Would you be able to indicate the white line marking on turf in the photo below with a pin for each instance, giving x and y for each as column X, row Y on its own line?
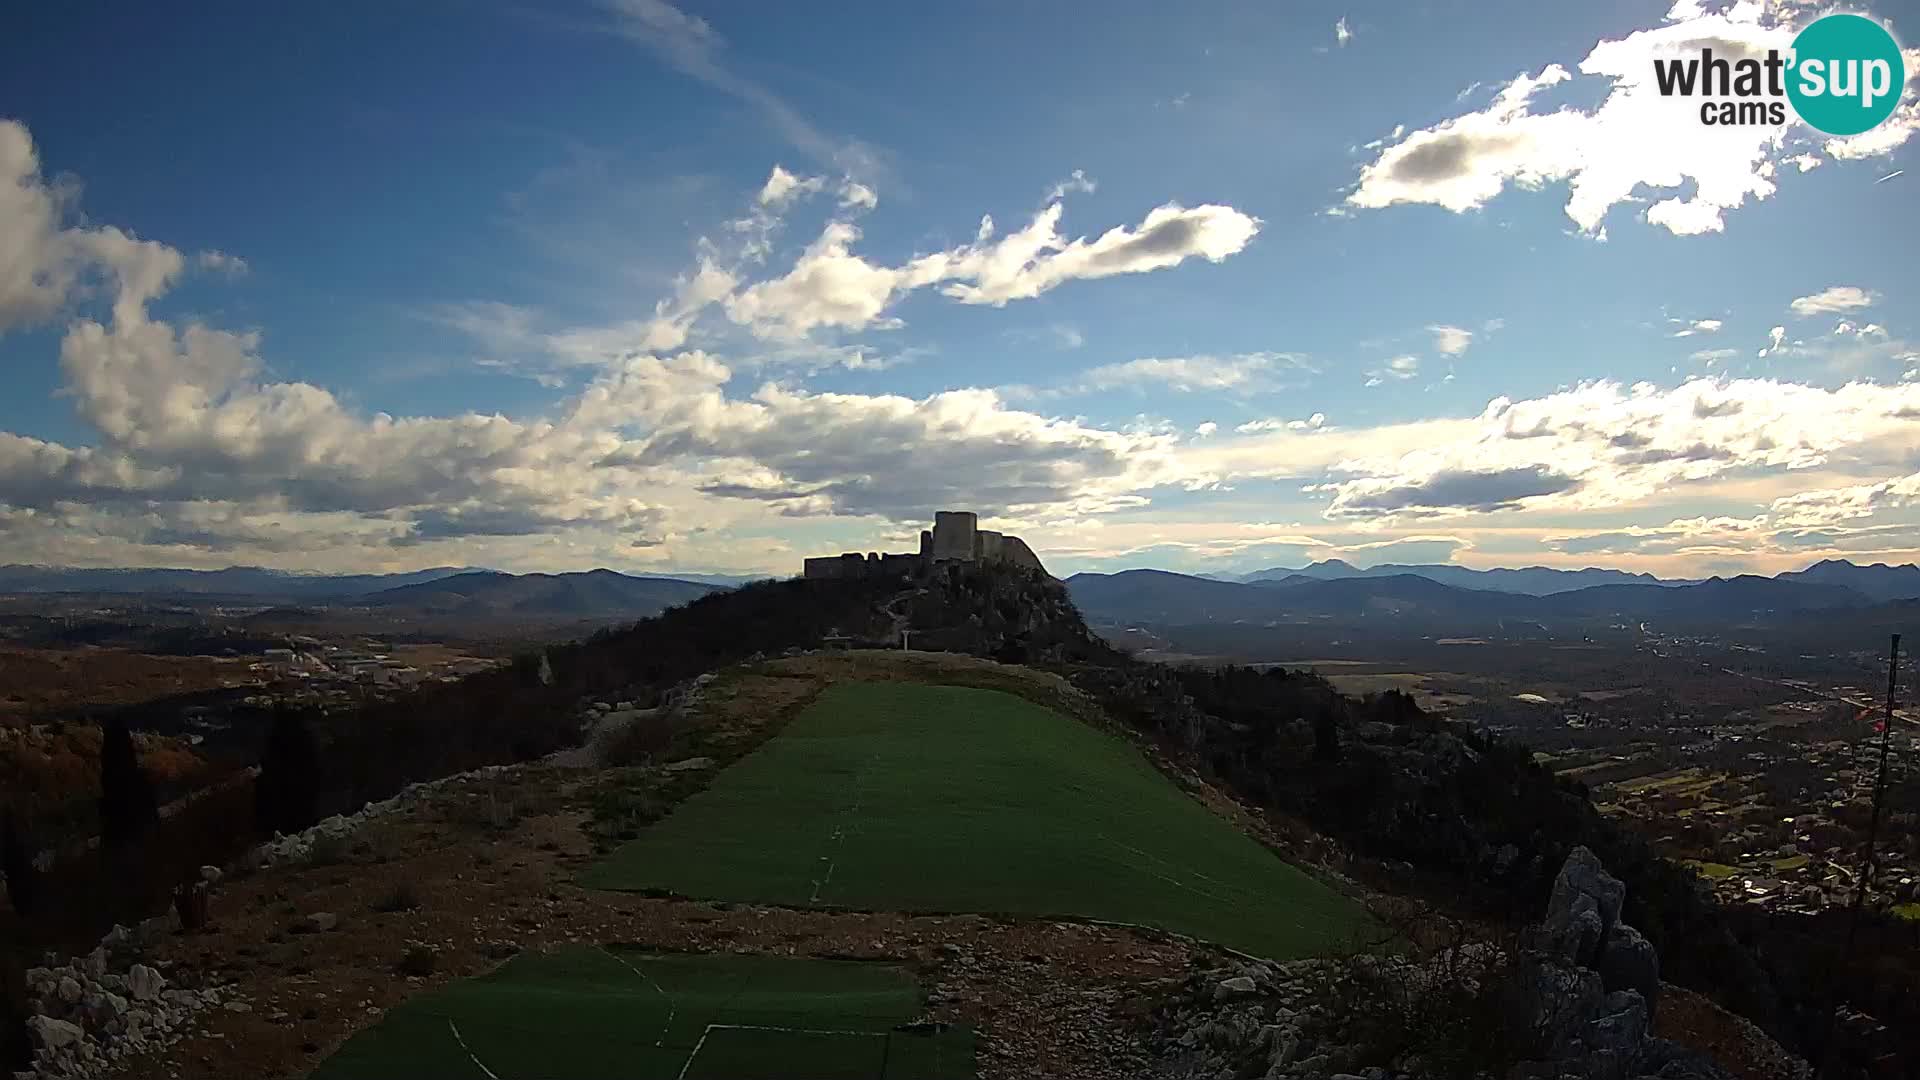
column 672, row 1006
column 711, row 1028
column 477, row 1063
column 696, row 1052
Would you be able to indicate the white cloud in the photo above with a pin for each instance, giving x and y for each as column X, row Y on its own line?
column 516, row 339
column 1635, row 139
column 1603, row 444
column 1207, row 428
column 1077, row 182
column 782, row 187
column 1893, row 132
column 1775, row 338
column 1244, row 373
column 692, row 46
column 1451, row 340
column 222, row 263
column 1341, row 33
column 1311, row 423
column 831, row 286
column 1399, row 367
column 1711, row 357
column 857, row 196
column 1690, row 327
column 1833, row 300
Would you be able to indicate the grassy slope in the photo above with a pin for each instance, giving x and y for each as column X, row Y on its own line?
column 894, row 796
column 588, row 1013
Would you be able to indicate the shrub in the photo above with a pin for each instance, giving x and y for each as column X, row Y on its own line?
column 330, row 851
column 402, row 897
column 420, row 959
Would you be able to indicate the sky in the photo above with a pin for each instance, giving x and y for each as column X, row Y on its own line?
column 711, row 288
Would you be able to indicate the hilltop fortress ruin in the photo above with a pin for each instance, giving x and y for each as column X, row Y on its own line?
column 956, row 537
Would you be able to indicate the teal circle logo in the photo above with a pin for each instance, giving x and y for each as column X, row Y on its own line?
column 1846, row 74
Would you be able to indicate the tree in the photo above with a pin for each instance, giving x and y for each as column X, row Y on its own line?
column 16, row 1045
column 286, row 796
column 1326, row 735
column 127, row 803
column 16, row 861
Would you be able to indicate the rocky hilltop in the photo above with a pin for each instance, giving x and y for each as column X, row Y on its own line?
column 1525, row 937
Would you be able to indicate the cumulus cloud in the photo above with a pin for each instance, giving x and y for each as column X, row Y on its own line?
column 1341, row 32
column 1691, row 327
column 1311, row 423
column 1450, row 340
column 518, row 338
column 1834, row 299
column 782, row 187
column 885, row 454
column 1776, row 337
column 1604, row 445
column 1633, row 139
column 833, row 287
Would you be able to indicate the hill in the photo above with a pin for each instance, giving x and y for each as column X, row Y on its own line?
column 1878, row 581
column 592, row 594
column 903, row 797
column 1389, row 796
column 233, row 581
column 1154, row 596
column 1530, row 580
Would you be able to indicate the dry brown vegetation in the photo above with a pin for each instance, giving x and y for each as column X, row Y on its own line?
column 41, row 682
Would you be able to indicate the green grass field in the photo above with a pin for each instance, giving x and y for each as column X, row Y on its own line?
column 905, row 797
column 589, row 1013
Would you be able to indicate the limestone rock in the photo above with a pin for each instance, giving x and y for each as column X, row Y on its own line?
column 1237, row 987
column 144, row 983
column 1583, row 885
column 54, row 1034
column 1628, row 962
column 321, row 921
column 69, row 989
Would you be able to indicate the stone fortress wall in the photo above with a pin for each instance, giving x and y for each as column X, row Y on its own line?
column 956, row 537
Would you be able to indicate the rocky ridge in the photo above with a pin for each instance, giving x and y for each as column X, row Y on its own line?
column 1574, row 998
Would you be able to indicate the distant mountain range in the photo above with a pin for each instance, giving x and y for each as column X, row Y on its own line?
column 1323, row 592
column 1531, row 580
column 442, row 588
column 590, row 595
column 233, row 581
column 1877, row 581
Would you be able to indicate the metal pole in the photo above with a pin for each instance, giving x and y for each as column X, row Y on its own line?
column 1869, row 858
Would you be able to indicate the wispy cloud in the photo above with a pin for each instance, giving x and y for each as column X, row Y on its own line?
column 694, row 48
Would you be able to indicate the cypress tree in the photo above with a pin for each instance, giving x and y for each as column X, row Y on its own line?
column 127, row 803
column 16, row 860
column 286, row 796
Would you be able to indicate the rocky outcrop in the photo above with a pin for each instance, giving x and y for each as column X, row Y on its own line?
column 1595, row 982
column 1578, row 1002
column 90, row 1012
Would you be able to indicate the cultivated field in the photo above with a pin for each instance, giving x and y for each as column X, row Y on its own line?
column 589, row 1012
column 905, row 797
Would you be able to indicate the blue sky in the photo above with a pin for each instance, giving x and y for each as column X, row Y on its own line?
column 708, row 288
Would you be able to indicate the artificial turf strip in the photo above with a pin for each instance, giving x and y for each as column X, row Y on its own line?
column 906, row 797
column 586, row 1013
